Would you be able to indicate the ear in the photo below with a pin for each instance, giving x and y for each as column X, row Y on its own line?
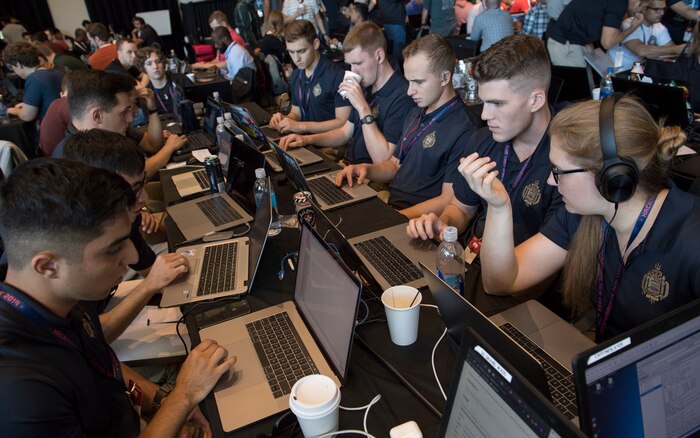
column 445, row 78
column 380, row 55
column 316, row 43
column 538, row 98
column 96, row 115
column 46, row 264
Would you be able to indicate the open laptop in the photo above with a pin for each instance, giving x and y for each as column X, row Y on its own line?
column 326, row 194
column 320, row 320
column 550, row 341
column 490, row 397
column 223, row 268
column 662, row 101
column 644, row 382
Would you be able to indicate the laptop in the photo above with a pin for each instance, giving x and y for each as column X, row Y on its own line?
column 326, row 194
column 223, row 268
column 548, row 341
column 644, row 382
column 662, row 101
column 320, row 319
column 490, row 397
column 599, row 61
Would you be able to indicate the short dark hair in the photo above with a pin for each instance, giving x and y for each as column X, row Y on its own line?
column 106, row 150
column 144, row 53
column 96, row 87
column 139, row 19
column 441, row 56
column 39, row 36
column 221, row 35
column 85, row 23
column 121, row 42
column 299, row 29
column 22, row 53
column 51, row 203
column 519, row 59
column 98, row 30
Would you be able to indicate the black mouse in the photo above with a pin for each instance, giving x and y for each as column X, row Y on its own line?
column 192, row 161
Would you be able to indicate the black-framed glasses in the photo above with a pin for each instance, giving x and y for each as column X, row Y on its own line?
column 556, row 172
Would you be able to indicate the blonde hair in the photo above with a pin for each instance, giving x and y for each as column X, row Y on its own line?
column 638, row 137
column 367, row 36
column 276, row 22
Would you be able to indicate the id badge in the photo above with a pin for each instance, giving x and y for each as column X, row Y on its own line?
column 472, row 250
column 135, row 395
column 688, row 34
column 618, row 59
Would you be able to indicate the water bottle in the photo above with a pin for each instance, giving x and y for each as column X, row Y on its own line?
column 3, row 111
column 606, row 85
column 450, row 262
column 174, row 62
column 219, row 130
column 217, row 99
column 458, row 75
column 472, row 96
column 259, row 188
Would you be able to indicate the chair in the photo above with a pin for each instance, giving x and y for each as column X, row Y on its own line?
column 11, row 156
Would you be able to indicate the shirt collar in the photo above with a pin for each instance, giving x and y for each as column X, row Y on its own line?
column 675, row 210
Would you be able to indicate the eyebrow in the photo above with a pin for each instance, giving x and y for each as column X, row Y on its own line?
column 117, row 241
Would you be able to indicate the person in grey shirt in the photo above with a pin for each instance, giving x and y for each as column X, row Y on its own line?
column 442, row 17
column 554, row 8
column 492, row 25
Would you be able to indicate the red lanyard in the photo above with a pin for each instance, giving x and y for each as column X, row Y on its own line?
column 442, row 112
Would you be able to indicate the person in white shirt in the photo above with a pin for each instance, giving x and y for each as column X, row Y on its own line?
column 305, row 10
column 477, row 9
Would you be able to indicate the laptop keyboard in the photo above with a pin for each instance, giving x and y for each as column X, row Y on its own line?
column 282, row 354
column 197, row 140
column 325, row 189
column 202, row 179
column 218, row 211
column 559, row 379
column 218, row 269
column 395, row 267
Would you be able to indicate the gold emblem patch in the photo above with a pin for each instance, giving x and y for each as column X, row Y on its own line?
column 375, row 111
column 654, row 285
column 532, row 194
column 317, row 90
column 429, row 140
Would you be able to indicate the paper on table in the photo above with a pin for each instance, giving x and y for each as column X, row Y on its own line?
column 201, row 154
column 685, row 150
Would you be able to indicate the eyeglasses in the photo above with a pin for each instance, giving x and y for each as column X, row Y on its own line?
column 556, row 172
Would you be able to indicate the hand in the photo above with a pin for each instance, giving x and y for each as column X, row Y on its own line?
column 16, row 110
column 425, row 227
column 300, row 11
column 165, row 269
column 353, row 93
column 147, row 98
column 477, row 172
column 166, row 134
column 149, row 223
column 196, row 420
column 290, row 125
column 637, row 19
column 275, row 120
column 350, row 172
column 175, row 142
column 293, row 141
column 205, row 364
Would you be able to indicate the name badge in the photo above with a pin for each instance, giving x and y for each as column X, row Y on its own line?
column 472, row 250
column 135, row 395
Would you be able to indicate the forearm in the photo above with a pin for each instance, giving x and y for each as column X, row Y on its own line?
column 454, row 216
column 116, row 320
column 154, row 133
column 378, row 148
column 435, row 205
column 333, row 139
column 648, row 51
column 148, row 388
column 424, row 17
column 499, row 265
column 320, row 127
column 382, row 172
column 171, row 416
column 157, row 161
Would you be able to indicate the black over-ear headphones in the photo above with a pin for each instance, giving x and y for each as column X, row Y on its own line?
column 617, row 180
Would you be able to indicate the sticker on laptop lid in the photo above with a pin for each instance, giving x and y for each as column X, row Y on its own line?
column 614, row 348
column 188, row 253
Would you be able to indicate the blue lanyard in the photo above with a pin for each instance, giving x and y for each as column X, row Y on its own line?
column 442, row 112
column 603, row 316
column 26, row 310
column 521, row 174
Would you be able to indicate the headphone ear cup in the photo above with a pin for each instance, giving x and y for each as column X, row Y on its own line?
column 617, row 180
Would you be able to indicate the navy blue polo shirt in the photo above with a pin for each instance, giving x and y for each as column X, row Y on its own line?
column 427, row 150
column 317, row 96
column 661, row 273
column 533, row 200
column 390, row 106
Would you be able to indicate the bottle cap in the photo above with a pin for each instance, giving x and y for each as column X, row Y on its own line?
column 450, row 234
column 611, row 70
column 219, row 120
column 227, row 116
column 215, row 94
column 260, row 173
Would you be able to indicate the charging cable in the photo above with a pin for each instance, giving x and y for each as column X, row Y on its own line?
column 364, row 423
column 341, row 432
column 364, row 303
column 432, row 356
column 289, row 258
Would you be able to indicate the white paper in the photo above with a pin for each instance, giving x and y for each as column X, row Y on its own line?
column 201, row 154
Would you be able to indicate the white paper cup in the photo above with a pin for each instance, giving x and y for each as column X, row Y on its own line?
column 350, row 76
column 190, row 76
column 315, row 400
column 595, row 94
column 402, row 319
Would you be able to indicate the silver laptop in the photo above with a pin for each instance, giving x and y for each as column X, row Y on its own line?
column 189, row 183
column 326, row 194
column 223, row 268
column 321, row 320
column 548, row 339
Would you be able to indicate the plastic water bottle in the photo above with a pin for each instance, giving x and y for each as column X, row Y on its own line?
column 259, row 189
column 3, row 111
column 606, row 85
column 458, row 75
column 472, row 96
column 174, row 62
column 217, row 99
column 219, row 130
column 450, row 262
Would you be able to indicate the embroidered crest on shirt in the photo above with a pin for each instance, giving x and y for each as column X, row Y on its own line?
column 429, row 140
column 532, row 194
column 375, row 111
column 317, row 90
column 654, row 285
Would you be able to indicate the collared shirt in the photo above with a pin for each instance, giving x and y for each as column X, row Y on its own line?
column 442, row 16
column 427, row 157
column 317, row 96
column 654, row 35
column 661, row 273
column 533, row 200
column 536, row 20
column 582, row 21
column 237, row 58
column 554, row 8
column 41, row 88
column 51, row 389
column 393, row 11
column 491, row 25
column 389, row 105
column 116, row 67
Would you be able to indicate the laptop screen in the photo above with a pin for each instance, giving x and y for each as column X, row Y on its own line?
column 490, row 399
column 327, row 296
column 646, row 382
column 258, row 234
column 291, row 168
column 244, row 160
column 211, row 112
column 245, row 121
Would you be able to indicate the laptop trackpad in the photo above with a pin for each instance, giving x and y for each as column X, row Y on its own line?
column 247, row 371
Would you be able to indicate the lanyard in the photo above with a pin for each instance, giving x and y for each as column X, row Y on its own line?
column 304, row 102
column 521, row 174
column 603, row 316
column 19, row 305
column 172, row 97
column 403, row 152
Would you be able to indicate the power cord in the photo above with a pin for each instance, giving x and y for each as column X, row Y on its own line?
column 287, row 258
column 432, row 355
column 367, row 408
column 190, row 310
column 341, row 432
column 366, row 306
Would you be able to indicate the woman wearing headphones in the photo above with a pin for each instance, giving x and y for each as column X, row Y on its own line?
column 627, row 239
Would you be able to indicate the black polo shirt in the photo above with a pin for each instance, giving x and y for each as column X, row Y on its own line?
column 533, row 200
column 427, row 150
column 393, row 11
column 661, row 273
column 116, row 67
column 676, row 24
column 581, row 22
column 49, row 387
column 132, row 133
column 317, row 96
column 390, row 106
column 168, row 97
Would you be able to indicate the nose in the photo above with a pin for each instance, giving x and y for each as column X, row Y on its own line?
column 132, row 256
column 486, row 112
column 411, row 90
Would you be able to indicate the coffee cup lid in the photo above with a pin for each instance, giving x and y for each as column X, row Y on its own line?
column 314, row 396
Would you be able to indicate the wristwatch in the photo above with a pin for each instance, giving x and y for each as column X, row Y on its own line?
column 367, row 120
column 162, row 392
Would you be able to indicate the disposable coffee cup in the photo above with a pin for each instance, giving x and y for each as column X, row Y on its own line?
column 315, row 401
column 190, row 76
column 350, row 76
column 595, row 94
column 402, row 313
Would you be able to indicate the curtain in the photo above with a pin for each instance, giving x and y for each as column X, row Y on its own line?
column 196, row 16
column 35, row 15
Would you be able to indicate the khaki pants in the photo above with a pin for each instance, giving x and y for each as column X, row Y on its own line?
column 567, row 55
